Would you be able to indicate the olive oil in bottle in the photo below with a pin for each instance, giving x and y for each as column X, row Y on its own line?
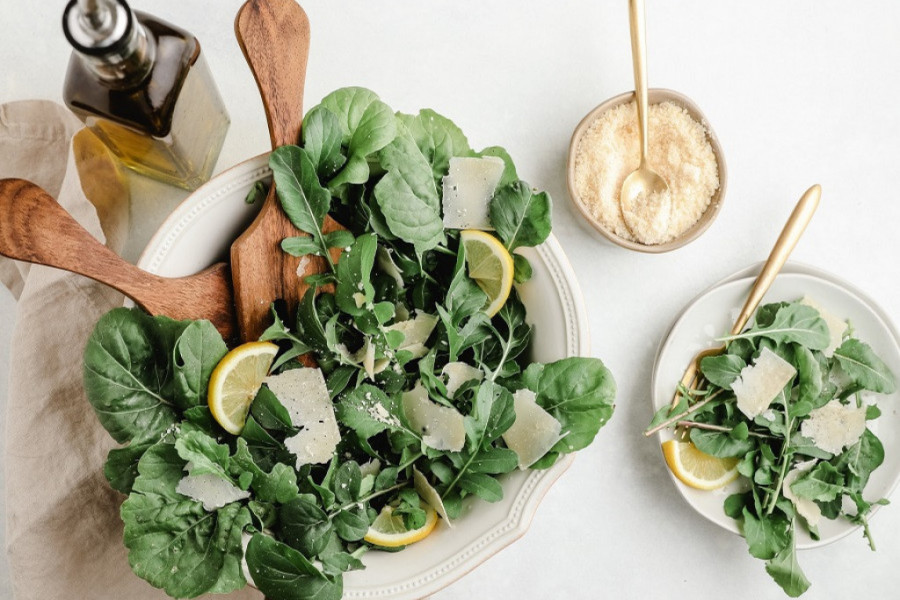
column 143, row 87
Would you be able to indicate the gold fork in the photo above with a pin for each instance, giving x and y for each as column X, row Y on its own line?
column 790, row 235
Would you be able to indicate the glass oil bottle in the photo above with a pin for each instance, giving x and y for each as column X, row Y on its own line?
column 143, row 87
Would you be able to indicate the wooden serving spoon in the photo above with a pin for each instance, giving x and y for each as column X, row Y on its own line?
column 274, row 37
column 36, row 229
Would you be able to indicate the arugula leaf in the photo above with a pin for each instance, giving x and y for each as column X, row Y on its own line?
column 864, row 367
column 795, row 323
column 786, row 571
column 122, row 464
column 204, row 454
column 127, row 368
column 368, row 411
column 367, row 125
column 281, row 572
column 322, row 139
column 407, row 195
column 823, row 483
column 484, row 486
column 197, row 352
column 579, row 393
column 437, row 138
column 173, row 543
column 303, row 199
column 520, row 216
column 766, row 536
column 722, row 370
column 304, row 525
column 280, row 485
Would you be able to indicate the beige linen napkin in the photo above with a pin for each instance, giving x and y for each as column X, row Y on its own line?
column 64, row 535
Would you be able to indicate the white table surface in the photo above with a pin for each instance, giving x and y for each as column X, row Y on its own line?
column 798, row 92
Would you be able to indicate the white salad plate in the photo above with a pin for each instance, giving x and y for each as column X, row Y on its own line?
column 200, row 231
column 711, row 315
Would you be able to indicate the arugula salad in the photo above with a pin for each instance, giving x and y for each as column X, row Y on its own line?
column 422, row 396
column 786, row 407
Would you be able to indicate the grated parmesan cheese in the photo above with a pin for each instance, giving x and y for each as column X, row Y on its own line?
column 835, row 426
column 305, row 396
column 468, row 190
column 533, row 432
column 442, row 427
column 759, row 384
column 836, row 325
column 679, row 152
column 210, row 490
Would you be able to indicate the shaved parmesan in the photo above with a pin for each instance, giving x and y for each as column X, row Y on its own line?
column 459, row 373
column 835, row 426
column 388, row 266
column 533, row 432
column 245, row 568
column 836, row 325
column 806, row 508
column 430, row 495
column 415, row 333
column 365, row 356
column 305, row 396
column 441, row 427
column 468, row 190
column 760, row 383
column 210, row 490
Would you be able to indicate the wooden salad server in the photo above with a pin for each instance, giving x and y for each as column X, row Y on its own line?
column 274, row 37
column 35, row 228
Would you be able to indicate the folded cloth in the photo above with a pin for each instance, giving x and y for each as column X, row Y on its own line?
column 63, row 535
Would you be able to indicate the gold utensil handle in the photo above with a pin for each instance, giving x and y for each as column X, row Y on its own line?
column 789, row 237
column 639, row 58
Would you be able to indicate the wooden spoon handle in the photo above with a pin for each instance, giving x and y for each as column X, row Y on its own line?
column 274, row 37
column 35, row 228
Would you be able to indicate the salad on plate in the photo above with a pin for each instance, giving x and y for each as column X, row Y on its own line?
column 400, row 392
column 785, row 411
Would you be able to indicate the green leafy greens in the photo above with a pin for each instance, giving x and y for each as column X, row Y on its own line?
column 395, row 315
column 793, row 481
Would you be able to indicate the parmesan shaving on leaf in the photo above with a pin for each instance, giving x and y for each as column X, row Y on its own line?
column 760, row 383
column 305, row 396
column 835, row 426
column 533, row 432
column 441, row 427
column 468, row 189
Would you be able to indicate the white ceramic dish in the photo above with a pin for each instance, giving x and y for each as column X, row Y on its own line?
column 711, row 315
column 199, row 233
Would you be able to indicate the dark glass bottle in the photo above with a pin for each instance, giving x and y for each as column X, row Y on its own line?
column 142, row 86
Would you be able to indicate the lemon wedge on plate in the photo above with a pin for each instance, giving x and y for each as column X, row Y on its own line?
column 389, row 531
column 696, row 469
column 235, row 382
column 490, row 266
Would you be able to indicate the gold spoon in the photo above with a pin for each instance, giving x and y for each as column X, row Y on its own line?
column 790, row 235
column 644, row 198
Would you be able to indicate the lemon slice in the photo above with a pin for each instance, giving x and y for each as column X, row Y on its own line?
column 235, row 382
column 490, row 266
column 389, row 531
column 696, row 469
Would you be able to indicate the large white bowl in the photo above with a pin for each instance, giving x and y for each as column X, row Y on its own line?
column 199, row 233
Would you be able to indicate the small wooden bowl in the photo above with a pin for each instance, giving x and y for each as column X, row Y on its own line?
column 654, row 96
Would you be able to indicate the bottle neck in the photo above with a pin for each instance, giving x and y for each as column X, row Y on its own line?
column 110, row 41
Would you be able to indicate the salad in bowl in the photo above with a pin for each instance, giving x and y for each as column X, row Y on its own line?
column 400, row 392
